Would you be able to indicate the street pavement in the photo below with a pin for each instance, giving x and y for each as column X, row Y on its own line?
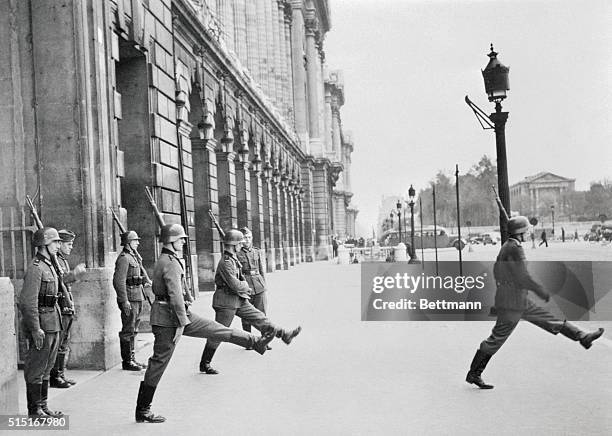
column 342, row 376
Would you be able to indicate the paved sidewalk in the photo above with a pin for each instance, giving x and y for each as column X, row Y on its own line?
column 342, row 376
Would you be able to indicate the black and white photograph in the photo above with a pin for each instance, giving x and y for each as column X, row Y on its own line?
column 306, row 217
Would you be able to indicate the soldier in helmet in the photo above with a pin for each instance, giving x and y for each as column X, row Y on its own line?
column 66, row 303
column 42, row 320
column 171, row 318
column 513, row 304
column 232, row 297
column 253, row 271
column 129, row 283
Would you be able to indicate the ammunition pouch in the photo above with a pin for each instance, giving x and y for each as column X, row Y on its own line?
column 47, row 300
column 135, row 281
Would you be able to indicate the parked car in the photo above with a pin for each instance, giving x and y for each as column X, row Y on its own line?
column 490, row 238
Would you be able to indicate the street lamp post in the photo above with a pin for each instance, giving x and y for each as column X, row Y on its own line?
column 495, row 76
column 411, row 194
column 399, row 218
column 552, row 212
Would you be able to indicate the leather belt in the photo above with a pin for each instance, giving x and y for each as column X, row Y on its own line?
column 503, row 282
column 252, row 272
column 47, row 300
column 163, row 298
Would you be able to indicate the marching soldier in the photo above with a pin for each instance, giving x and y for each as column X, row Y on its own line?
column 171, row 318
column 42, row 320
column 253, row 272
column 513, row 304
column 129, row 284
column 232, row 298
column 66, row 304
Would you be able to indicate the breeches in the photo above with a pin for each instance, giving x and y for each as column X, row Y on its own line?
column 259, row 302
column 130, row 321
column 507, row 320
column 65, row 333
column 163, row 347
column 38, row 363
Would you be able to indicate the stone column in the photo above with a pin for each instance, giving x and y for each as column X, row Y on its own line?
column 252, row 40
column 262, row 46
column 287, row 67
column 335, row 130
column 313, row 72
column 240, row 17
column 206, row 197
column 308, row 219
column 268, row 217
column 277, row 227
column 226, row 177
column 270, row 73
column 243, row 192
column 299, row 75
column 257, row 207
column 278, row 69
column 301, row 226
column 292, row 238
column 226, row 15
column 322, row 205
column 284, row 221
column 9, row 390
column 327, row 123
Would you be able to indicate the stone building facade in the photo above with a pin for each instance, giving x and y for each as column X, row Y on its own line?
column 539, row 192
column 225, row 106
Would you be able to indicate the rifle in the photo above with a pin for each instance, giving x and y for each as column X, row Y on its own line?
column 502, row 209
column 143, row 271
column 216, row 224
column 59, row 271
column 158, row 215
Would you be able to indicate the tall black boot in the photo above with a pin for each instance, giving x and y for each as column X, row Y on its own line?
column 260, row 344
column 44, row 392
column 143, row 405
column 478, row 365
column 571, row 331
column 57, row 373
column 207, row 356
column 126, row 357
column 33, row 396
column 288, row 335
column 133, row 356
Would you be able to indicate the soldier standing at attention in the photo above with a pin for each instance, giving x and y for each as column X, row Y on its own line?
column 253, row 271
column 512, row 303
column 232, row 298
column 171, row 318
column 129, row 285
column 42, row 321
column 66, row 304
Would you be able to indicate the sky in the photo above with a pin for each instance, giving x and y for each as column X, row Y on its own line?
column 408, row 66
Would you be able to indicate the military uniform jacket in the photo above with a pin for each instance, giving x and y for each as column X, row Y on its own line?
column 40, row 289
column 513, row 279
column 252, row 269
column 68, row 277
column 231, row 286
column 127, row 281
column 170, row 289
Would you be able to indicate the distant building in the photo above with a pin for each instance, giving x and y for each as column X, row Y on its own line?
column 535, row 194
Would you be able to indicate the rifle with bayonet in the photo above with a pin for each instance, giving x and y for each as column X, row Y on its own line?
column 213, row 218
column 502, row 209
column 59, row 271
column 143, row 271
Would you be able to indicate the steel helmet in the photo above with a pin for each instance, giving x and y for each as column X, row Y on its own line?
column 233, row 237
column 45, row 236
column 172, row 233
column 128, row 236
column 66, row 235
column 517, row 225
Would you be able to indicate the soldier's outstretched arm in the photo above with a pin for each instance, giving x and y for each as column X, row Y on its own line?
column 228, row 272
column 174, row 287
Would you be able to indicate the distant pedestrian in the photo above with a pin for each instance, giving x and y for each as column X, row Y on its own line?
column 562, row 234
column 513, row 304
column 532, row 235
column 543, row 237
column 334, row 247
column 576, row 238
